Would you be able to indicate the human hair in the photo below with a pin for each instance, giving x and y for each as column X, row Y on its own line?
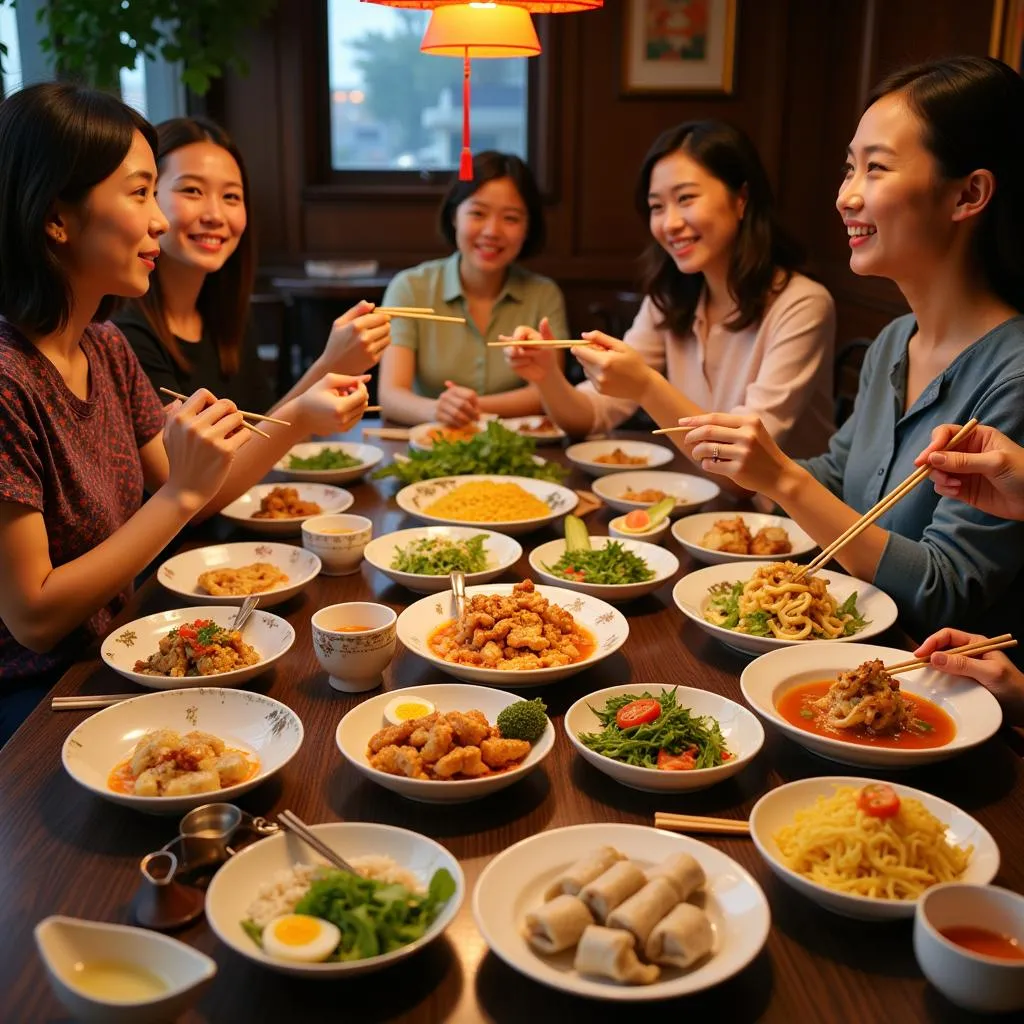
column 972, row 113
column 491, row 165
column 223, row 301
column 762, row 247
column 57, row 142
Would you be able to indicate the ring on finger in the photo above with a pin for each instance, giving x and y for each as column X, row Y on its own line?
column 716, row 454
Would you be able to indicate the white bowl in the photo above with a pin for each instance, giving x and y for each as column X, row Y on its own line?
column 974, row 981
column 356, row 728
column 586, row 453
column 248, row 721
column 689, row 531
column 235, row 886
column 525, row 425
column 691, row 597
column 778, row 807
column 340, row 553
column 180, row 573
column 367, row 455
column 690, row 492
column 742, row 731
column 354, row 661
column 502, row 553
column 653, row 535
column 514, row 883
column 607, row 624
column 65, row 943
column 974, row 710
column 664, row 564
column 240, row 511
column 268, row 634
column 415, row 498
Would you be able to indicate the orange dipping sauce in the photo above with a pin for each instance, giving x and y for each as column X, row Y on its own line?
column 351, row 629
column 933, row 727
column 983, row 941
column 335, row 531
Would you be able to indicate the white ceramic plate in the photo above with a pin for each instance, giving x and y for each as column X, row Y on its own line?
column 663, row 563
column 236, row 884
column 586, row 453
column 356, row 728
column 502, row 553
column 240, row 511
column 247, row 721
column 690, row 492
column 180, row 573
column 367, row 455
column 530, row 426
column 691, row 597
column 607, row 624
column 514, row 883
column 416, row 498
column 691, row 529
column 742, row 731
column 778, row 807
column 420, row 439
column 270, row 635
column 974, row 710
column 652, row 535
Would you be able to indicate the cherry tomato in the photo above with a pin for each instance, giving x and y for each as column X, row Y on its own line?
column 878, row 800
column 683, row 762
column 637, row 712
column 638, row 519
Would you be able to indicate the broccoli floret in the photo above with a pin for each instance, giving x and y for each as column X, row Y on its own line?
column 524, row 720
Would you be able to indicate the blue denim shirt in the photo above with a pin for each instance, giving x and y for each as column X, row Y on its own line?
column 945, row 563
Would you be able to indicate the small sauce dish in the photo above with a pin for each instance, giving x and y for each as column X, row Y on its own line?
column 354, row 642
column 338, row 540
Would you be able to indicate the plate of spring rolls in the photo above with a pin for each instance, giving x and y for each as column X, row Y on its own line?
column 620, row 912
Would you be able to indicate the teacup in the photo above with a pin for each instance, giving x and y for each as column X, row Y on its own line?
column 354, row 642
column 338, row 540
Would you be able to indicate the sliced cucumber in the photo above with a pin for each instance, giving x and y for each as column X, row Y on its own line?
column 576, row 536
column 661, row 510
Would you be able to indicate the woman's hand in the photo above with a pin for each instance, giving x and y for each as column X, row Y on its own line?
column 737, row 447
column 613, row 367
column 457, row 405
column 333, row 404
column 993, row 669
column 357, row 340
column 987, row 470
column 532, row 364
column 201, row 436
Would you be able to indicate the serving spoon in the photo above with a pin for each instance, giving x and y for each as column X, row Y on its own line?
column 458, row 578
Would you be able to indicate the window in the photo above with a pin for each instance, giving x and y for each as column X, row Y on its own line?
column 12, row 60
column 394, row 108
column 133, row 82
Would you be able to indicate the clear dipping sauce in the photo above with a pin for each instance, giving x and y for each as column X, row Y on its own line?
column 983, row 941
column 117, row 982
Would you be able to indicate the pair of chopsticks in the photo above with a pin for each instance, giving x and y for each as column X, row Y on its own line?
column 896, row 494
column 295, row 824
column 86, row 703
column 419, row 313
column 507, row 342
column 248, row 415
column 697, row 823
column 995, row 643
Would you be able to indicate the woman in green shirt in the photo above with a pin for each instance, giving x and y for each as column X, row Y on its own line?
column 446, row 372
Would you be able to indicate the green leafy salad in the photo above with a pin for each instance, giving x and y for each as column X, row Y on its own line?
column 326, row 458
column 583, row 563
column 494, row 450
column 723, row 609
column 437, row 556
column 655, row 732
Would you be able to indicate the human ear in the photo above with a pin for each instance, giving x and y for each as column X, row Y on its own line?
column 55, row 228
column 975, row 194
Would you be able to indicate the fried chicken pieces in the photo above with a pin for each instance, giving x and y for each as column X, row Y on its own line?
column 733, row 536
column 285, row 503
column 453, row 745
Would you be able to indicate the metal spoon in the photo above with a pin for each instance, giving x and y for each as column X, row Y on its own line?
column 458, row 578
column 295, row 824
column 245, row 611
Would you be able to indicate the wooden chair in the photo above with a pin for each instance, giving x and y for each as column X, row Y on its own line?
column 846, row 376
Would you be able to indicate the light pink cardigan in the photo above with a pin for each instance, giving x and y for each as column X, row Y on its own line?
column 779, row 369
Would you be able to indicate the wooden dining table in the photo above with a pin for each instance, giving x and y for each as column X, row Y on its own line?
column 64, row 850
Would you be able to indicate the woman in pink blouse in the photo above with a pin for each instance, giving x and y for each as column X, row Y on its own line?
column 727, row 324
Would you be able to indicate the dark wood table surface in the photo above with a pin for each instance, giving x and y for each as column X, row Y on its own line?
column 63, row 850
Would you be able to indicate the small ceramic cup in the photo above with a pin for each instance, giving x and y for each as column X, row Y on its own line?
column 338, row 540
column 354, row 643
column 652, row 536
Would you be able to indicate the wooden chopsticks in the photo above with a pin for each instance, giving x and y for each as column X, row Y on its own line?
column 251, row 415
column 895, row 495
column 698, row 823
column 387, row 433
column 671, row 430
column 995, row 643
column 506, row 342
column 405, row 309
column 410, row 315
column 86, row 703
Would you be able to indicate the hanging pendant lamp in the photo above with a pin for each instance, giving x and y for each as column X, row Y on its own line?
column 533, row 6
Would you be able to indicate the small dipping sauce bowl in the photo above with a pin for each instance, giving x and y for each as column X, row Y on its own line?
column 975, row 981
column 338, row 540
column 354, row 643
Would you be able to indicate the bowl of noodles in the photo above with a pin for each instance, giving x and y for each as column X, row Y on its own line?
column 759, row 607
column 868, row 850
column 506, row 504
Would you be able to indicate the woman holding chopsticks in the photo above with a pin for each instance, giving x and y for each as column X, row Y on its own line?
column 191, row 329
column 82, row 432
column 727, row 322
column 932, row 197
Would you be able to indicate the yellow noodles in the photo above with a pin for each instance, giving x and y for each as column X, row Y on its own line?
column 841, row 847
column 484, row 501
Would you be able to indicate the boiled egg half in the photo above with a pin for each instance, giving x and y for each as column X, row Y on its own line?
column 402, row 709
column 300, row 937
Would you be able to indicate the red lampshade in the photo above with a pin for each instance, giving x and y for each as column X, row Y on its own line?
column 533, row 6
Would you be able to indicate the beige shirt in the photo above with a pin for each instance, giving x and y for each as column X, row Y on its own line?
column 779, row 369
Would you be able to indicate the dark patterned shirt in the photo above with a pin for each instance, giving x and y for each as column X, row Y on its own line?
column 77, row 462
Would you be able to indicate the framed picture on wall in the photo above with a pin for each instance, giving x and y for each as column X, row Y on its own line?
column 1007, row 41
column 679, row 46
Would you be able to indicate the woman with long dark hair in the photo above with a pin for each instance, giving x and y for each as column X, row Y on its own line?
column 727, row 322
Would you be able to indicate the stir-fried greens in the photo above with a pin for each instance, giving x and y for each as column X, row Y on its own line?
column 326, row 458
column 611, row 564
column 438, row 556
